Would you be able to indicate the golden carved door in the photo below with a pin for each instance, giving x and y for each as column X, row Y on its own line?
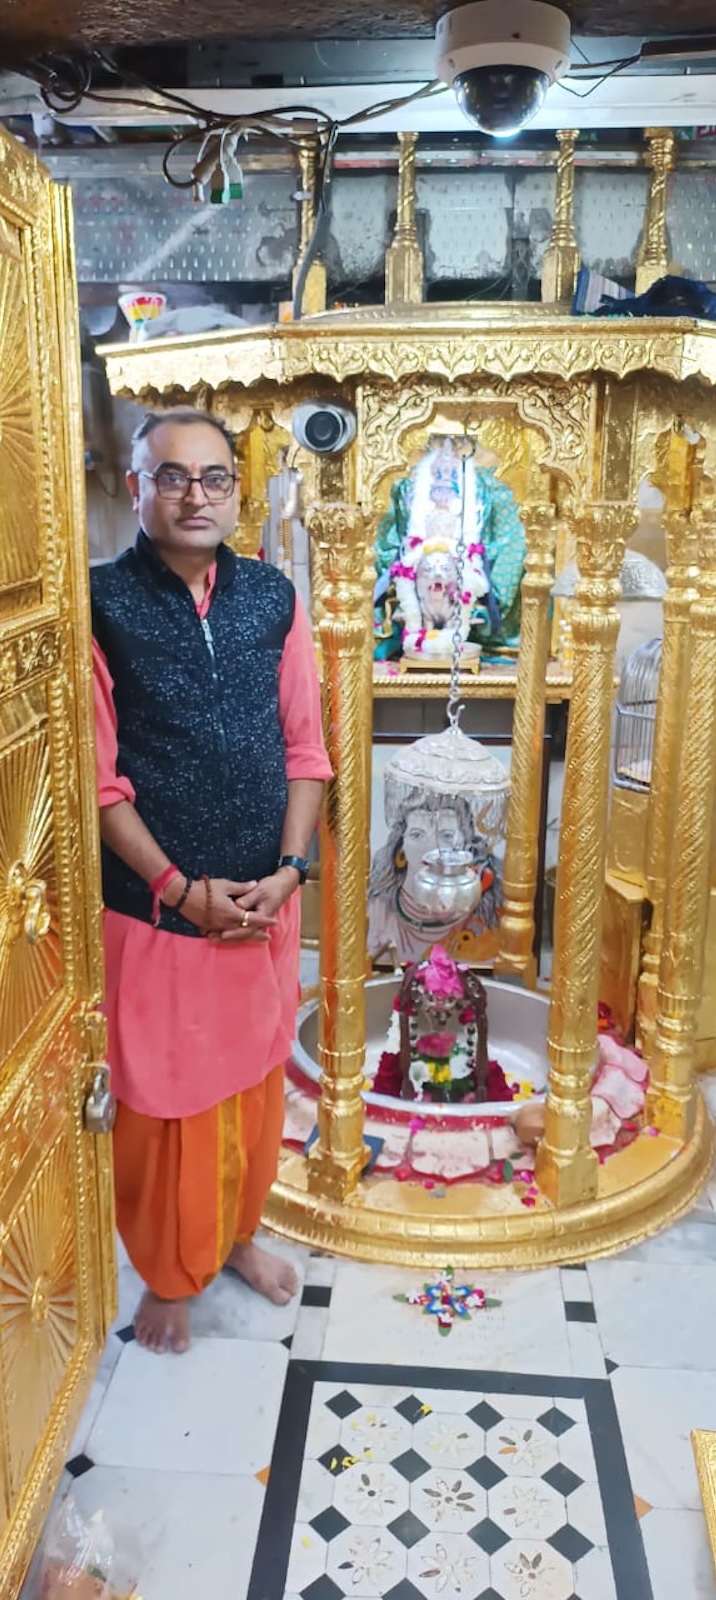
column 56, row 1237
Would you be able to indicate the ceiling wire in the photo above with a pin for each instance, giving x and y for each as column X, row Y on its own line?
column 629, row 61
column 65, row 81
column 62, row 97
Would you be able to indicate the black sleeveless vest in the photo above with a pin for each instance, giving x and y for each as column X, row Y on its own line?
column 197, row 716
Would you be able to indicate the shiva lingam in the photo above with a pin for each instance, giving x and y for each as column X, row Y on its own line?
column 441, row 1008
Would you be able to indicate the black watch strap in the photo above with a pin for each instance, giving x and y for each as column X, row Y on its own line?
column 300, row 863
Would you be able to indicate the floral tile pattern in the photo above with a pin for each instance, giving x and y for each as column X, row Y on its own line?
column 442, row 1495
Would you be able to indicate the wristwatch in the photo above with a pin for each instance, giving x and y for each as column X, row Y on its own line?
column 300, row 863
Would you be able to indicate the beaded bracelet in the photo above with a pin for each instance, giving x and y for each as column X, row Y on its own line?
column 184, row 896
column 209, row 901
column 158, row 901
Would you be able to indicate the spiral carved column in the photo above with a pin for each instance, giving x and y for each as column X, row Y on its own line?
column 314, row 294
column 517, row 929
column 566, row 1166
column 560, row 263
column 682, row 574
column 339, row 536
column 670, row 1101
column 653, row 258
column 404, row 265
column 367, row 706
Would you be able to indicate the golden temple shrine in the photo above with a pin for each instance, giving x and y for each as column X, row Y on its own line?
column 578, row 415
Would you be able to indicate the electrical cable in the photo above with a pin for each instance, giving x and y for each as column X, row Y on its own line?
column 64, row 81
column 628, row 61
column 612, row 61
column 382, row 108
column 323, row 206
column 269, row 121
column 582, row 52
column 62, row 98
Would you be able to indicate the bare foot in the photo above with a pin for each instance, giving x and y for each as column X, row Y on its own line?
column 162, row 1325
column 267, row 1274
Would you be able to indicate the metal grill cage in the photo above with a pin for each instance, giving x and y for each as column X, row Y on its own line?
column 636, row 716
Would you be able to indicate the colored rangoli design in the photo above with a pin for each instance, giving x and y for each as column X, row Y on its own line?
column 448, row 1301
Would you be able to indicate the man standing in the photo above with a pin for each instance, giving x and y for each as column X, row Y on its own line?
column 211, row 767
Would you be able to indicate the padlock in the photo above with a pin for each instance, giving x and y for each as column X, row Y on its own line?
column 100, row 1105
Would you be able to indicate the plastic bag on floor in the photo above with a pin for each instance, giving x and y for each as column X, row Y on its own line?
column 85, row 1558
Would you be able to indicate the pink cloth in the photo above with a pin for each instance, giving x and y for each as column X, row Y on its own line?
column 191, row 1023
column 620, row 1078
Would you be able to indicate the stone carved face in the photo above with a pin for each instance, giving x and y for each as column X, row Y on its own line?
column 436, row 582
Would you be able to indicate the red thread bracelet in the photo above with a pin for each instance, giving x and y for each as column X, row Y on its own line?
column 156, row 888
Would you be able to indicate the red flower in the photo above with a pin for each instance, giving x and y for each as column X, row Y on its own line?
column 497, row 1086
column 403, row 1007
column 605, row 1019
column 439, row 1045
column 388, row 1079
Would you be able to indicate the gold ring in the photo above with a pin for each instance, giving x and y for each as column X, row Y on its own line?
column 245, row 921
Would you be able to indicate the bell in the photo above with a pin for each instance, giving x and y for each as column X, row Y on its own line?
column 100, row 1105
column 447, row 886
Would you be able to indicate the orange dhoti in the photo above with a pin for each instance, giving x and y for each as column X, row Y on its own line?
column 189, row 1188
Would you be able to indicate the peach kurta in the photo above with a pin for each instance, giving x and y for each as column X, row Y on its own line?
column 191, row 1022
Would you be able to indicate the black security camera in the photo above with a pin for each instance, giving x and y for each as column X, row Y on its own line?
column 324, row 429
column 500, row 99
column 501, row 57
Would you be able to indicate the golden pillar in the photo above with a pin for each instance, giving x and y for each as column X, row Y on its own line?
column 653, row 257
column 566, row 1166
column 314, row 294
column 404, row 265
column 673, row 477
column 246, row 541
column 368, row 593
column 517, row 929
column 670, row 1100
column 560, row 263
column 339, row 535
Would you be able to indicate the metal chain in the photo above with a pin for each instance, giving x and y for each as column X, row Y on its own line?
column 454, row 707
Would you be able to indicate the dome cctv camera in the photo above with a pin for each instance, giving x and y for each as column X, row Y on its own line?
column 501, row 57
column 323, row 429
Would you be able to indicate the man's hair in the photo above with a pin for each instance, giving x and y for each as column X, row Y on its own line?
column 186, row 417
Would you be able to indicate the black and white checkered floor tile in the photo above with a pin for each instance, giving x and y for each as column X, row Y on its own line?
column 427, row 1486
column 488, row 1465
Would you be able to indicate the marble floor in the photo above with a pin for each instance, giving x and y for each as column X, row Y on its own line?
column 343, row 1447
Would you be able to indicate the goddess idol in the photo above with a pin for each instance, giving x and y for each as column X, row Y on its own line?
column 418, row 579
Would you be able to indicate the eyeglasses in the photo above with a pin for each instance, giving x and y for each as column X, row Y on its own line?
column 173, row 484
